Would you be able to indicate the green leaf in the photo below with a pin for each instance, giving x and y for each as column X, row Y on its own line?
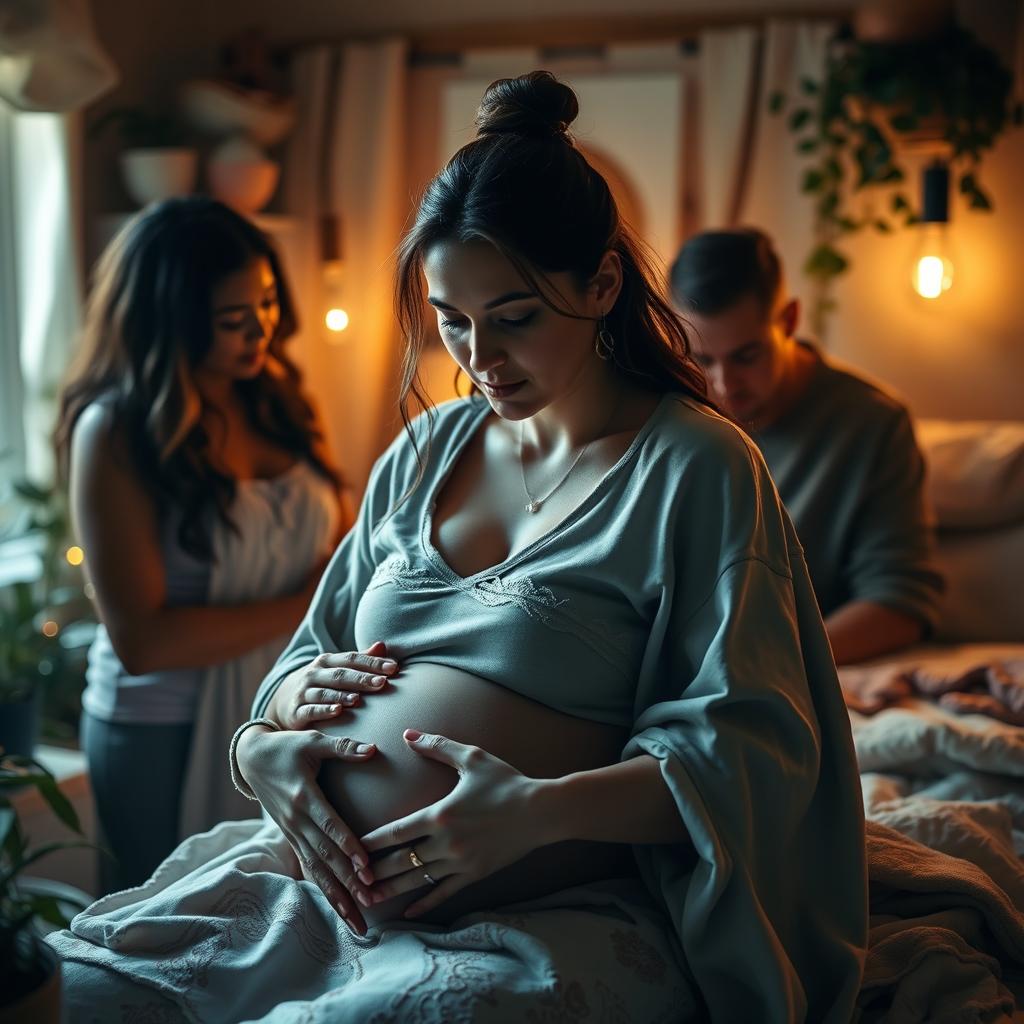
column 776, row 101
column 59, row 803
column 33, row 493
column 799, row 118
column 807, row 145
column 904, row 122
column 980, row 201
column 808, row 86
column 847, row 224
column 8, row 821
column 48, row 908
column 825, row 262
column 813, row 181
column 37, row 854
column 828, row 204
column 894, row 173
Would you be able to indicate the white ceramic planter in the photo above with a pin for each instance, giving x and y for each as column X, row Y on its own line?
column 154, row 174
column 240, row 175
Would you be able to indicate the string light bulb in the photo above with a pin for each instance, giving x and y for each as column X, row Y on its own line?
column 332, row 255
column 74, row 555
column 336, row 319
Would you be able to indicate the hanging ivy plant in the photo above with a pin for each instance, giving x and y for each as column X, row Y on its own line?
column 948, row 87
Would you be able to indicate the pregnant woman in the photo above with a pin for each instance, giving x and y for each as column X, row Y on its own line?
column 602, row 769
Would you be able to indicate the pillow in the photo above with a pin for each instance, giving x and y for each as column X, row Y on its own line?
column 975, row 471
column 984, row 573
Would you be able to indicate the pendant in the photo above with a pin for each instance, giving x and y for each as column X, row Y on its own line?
column 534, row 506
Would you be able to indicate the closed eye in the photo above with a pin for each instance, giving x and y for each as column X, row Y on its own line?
column 451, row 324
column 521, row 321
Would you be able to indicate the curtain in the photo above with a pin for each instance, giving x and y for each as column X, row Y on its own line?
column 51, row 65
column 749, row 170
column 346, row 163
column 772, row 200
column 45, row 157
column 727, row 70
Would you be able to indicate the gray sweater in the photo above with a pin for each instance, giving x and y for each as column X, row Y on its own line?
column 849, row 471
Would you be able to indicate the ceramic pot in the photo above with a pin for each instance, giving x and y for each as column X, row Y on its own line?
column 154, row 174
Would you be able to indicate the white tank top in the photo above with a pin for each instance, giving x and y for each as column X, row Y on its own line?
column 292, row 518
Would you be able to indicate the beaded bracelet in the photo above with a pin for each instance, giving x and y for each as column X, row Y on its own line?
column 236, row 776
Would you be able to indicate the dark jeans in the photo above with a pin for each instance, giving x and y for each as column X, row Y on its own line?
column 136, row 773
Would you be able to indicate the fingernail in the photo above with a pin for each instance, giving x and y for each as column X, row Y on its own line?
column 366, row 877
column 363, row 898
column 389, row 666
column 340, row 907
column 335, row 708
column 359, row 860
column 364, row 748
column 412, row 734
column 352, row 698
column 378, row 681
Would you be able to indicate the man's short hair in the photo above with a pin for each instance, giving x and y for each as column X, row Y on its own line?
column 716, row 269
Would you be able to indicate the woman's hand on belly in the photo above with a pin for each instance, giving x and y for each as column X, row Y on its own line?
column 329, row 685
column 484, row 824
column 282, row 768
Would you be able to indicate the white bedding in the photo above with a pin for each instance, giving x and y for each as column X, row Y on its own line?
column 955, row 783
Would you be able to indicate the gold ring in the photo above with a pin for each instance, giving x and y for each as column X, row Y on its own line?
column 427, row 876
column 416, row 862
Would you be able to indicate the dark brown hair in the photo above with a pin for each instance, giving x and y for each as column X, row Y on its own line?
column 716, row 269
column 148, row 324
column 524, row 187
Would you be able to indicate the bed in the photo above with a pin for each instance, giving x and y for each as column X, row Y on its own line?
column 947, row 924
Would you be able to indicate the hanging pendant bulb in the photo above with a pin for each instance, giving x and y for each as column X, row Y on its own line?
column 932, row 272
column 336, row 318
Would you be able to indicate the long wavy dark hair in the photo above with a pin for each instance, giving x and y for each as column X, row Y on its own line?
column 523, row 186
column 148, row 325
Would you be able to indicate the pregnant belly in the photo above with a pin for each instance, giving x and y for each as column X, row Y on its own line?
column 535, row 739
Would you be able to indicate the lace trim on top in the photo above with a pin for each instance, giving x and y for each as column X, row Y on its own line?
column 539, row 602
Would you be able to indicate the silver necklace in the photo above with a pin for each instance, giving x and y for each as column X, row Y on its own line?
column 534, row 504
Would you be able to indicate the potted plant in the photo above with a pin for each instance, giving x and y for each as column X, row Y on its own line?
column 155, row 162
column 29, row 968
column 880, row 97
column 45, row 618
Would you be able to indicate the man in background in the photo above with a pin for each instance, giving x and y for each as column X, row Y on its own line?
column 841, row 450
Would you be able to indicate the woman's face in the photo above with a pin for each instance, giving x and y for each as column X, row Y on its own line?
column 518, row 351
column 246, row 314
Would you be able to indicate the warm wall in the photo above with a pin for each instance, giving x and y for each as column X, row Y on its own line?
column 962, row 358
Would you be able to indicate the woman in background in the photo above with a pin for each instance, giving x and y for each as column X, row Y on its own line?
column 206, row 502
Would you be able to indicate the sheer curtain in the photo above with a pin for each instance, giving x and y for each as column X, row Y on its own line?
column 50, row 66
column 749, row 168
column 772, row 201
column 345, row 167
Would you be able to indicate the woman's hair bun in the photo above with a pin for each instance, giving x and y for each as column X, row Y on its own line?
column 536, row 104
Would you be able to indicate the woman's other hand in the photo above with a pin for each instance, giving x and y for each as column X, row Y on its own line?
column 329, row 685
column 281, row 768
column 486, row 823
